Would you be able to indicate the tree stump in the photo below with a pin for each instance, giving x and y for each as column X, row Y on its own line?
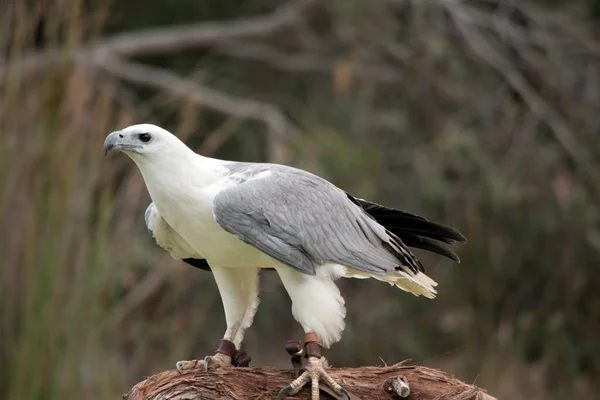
column 253, row 383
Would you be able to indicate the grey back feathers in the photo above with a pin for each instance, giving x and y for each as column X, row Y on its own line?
column 301, row 220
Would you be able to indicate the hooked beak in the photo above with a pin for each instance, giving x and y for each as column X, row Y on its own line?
column 112, row 140
column 119, row 141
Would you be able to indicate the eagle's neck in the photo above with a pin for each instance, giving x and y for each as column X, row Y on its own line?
column 179, row 182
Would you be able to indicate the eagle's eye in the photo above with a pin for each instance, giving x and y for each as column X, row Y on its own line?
column 145, row 137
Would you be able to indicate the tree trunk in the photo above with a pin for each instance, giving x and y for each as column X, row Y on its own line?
column 377, row 383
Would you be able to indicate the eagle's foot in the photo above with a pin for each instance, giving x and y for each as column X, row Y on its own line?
column 189, row 365
column 219, row 360
column 315, row 368
column 227, row 356
column 315, row 372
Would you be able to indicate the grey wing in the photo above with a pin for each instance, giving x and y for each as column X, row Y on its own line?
column 170, row 241
column 302, row 220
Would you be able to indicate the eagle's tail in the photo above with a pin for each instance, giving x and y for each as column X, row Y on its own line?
column 418, row 284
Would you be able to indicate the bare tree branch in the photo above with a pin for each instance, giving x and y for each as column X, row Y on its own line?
column 303, row 62
column 495, row 59
column 181, row 38
column 374, row 383
column 199, row 94
column 165, row 40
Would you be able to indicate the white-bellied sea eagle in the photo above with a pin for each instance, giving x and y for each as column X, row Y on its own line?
column 235, row 218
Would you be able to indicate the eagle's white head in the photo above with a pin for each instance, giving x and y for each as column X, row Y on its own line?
column 165, row 162
column 145, row 142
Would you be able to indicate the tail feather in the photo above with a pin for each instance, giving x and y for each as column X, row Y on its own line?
column 418, row 284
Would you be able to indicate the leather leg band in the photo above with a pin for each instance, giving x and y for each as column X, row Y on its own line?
column 312, row 349
column 312, row 345
column 311, row 337
column 226, row 347
column 240, row 359
column 294, row 348
column 296, row 351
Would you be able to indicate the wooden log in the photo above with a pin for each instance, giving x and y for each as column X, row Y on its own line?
column 254, row 383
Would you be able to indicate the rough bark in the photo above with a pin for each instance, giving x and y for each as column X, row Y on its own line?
column 377, row 383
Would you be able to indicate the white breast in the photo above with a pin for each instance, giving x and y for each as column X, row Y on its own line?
column 190, row 214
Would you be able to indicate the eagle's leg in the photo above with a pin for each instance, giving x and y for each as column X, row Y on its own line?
column 238, row 288
column 316, row 366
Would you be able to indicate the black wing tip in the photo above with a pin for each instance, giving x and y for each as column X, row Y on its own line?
column 455, row 234
column 446, row 233
column 454, row 257
column 431, row 245
column 458, row 238
column 446, row 252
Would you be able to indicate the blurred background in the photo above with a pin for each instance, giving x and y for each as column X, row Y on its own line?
column 483, row 115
